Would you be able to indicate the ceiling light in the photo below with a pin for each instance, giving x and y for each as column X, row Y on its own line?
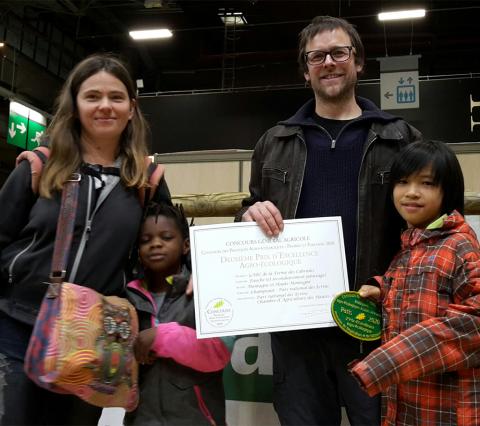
column 149, row 4
column 150, row 34
column 232, row 18
column 401, row 14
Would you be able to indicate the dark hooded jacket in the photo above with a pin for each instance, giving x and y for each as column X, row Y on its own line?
column 106, row 227
column 184, row 385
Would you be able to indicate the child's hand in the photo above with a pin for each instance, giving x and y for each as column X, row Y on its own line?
column 369, row 292
column 143, row 345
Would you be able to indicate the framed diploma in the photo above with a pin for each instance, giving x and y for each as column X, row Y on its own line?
column 245, row 282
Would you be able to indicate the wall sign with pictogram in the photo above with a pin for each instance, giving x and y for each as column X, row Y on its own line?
column 399, row 82
column 25, row 126
column 399, row 90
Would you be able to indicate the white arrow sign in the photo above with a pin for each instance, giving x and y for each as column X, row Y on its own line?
column 21, row 127
column 12, row 131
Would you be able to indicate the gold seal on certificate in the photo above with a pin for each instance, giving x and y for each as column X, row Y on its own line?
column 219, row 312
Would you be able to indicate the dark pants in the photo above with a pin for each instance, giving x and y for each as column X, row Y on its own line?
column 22, row 402
column 311, row 381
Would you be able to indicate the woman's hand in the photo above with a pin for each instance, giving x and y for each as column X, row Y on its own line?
column 143, row 344
column 370, row 292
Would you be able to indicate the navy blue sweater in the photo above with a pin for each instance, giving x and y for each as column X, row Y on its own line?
column 330, row 183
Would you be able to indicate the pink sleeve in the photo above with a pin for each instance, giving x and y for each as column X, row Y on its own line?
column 180, row 343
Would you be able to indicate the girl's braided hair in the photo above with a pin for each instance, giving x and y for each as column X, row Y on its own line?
column 153, row 209
column 174, row 212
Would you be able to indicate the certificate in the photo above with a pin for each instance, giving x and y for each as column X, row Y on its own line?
column 245, row 282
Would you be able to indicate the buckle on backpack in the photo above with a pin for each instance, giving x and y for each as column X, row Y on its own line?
column 75, row 177
column 57, row 276
column 53, row 290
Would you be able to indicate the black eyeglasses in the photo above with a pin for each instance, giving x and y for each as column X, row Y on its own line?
column 338, row 54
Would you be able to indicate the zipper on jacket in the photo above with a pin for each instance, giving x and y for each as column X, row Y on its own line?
column 332, row 146
column 334, row 141
column 202, row 406
column 86, row 232
column 167, row 302
column 283, row 173
column 300, row 136
column 358, row 222
column 88, row 229
column 358, row 208
column 14, row 260
column 382, row 176
column 88, row 224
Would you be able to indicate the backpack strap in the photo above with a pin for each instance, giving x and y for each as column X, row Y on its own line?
column 37, row 159
column 155, row 175
column 39, row 156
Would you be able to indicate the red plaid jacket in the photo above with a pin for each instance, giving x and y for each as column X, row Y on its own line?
column 428, row 366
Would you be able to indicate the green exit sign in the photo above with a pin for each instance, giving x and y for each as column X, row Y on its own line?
column 25, row 126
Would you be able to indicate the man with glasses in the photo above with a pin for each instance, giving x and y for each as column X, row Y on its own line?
column 331, row 158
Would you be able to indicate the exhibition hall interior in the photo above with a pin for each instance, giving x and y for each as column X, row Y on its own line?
column 228, row 70
column 216, row 75
column 223, row 44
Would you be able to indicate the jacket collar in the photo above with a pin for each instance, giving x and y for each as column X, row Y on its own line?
column 370, row 112
column 452, row 223
column 179, row 284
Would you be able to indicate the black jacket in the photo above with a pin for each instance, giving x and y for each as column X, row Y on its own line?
column 278, row 166
column 184, row 386
column 27, row 233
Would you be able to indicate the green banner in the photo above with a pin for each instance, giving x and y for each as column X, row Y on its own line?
column 248, row 376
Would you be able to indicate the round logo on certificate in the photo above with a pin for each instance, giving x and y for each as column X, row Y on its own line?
column 356, row 316
column 219, row 312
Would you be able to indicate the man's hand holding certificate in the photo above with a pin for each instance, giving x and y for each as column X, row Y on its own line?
column 245, row 282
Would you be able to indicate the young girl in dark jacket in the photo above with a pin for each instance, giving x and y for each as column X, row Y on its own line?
column 180, row 375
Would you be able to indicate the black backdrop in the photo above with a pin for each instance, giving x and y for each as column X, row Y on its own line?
column 194, row 122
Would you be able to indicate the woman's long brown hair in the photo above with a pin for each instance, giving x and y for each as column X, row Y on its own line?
column 64, row 131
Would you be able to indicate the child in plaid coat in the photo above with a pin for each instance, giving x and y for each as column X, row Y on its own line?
column 428, row 366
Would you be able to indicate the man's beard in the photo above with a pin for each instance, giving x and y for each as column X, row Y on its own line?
column 345, row 93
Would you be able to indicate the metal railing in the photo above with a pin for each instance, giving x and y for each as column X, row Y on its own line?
column 224, row 204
